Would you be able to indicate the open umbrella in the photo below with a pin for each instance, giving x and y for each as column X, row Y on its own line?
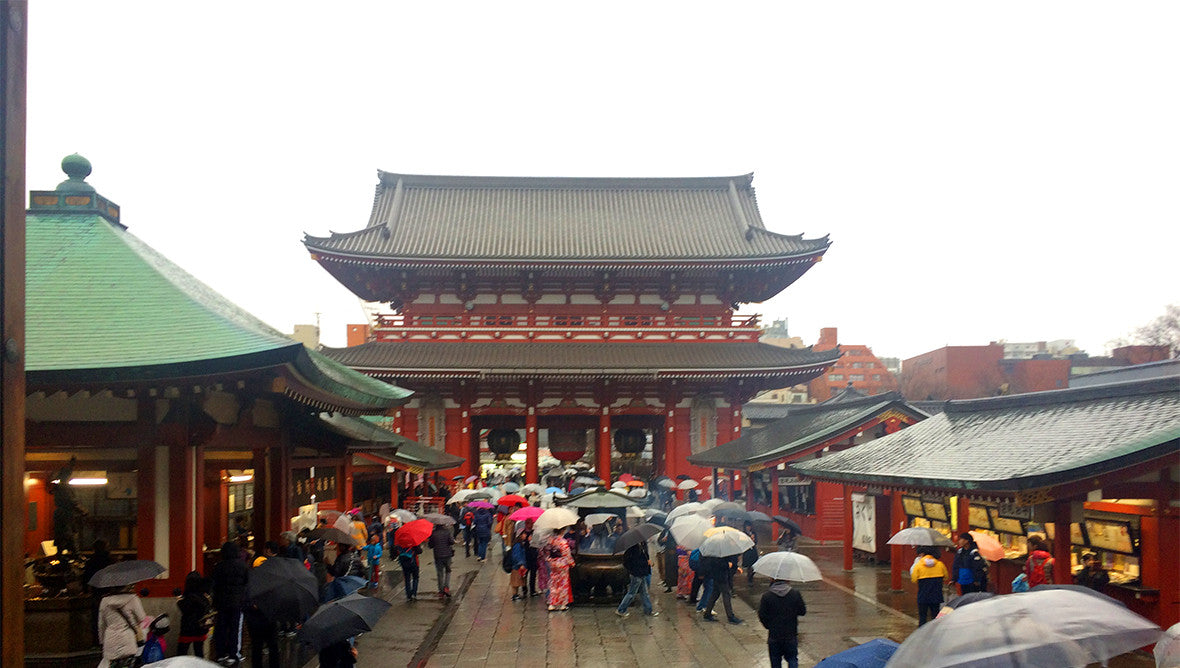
column 403, row 515
column 532, row 488
column 872, row 654
column 787, row 566
column 586, row 480
column 331, row 534
column 626, row 478
column 1015, row 629
column 711, row 504
column 758, row 516
column 480, row 495
column 725, row 542
column 510, row 487
column 683, row 476
column 555, row 518
column 989, row 548
column 919, row 536
column 470, row 479
column 731, row 514
column 343, row 586
column 123, row 573
column 512, row 500
column 688, row 484
column 618, row 484
column 665, row 482
column 690, row 508
column 342, row 619
column 637, row 493
column 788, row 523
column 636, row 483
column 283, row 589
column 598, row 518
column 600, row 498
column 965, row 599
column 655, row 516
column 553, row 490
column 461, row 496
column 1167, row 650
column 186, row 662
column 635, row 536
column 439, row 518
column 413, row 534
column 689, row 531
column 526, row 513
column 480, row 503
column 1081, row 590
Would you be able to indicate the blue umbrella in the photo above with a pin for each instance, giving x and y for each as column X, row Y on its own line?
column 873, row 654
column 553, row 490
column 343, row 586
column 577, row 490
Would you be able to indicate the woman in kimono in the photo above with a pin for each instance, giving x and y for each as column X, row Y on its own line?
column 560, row 558
column 684, row 574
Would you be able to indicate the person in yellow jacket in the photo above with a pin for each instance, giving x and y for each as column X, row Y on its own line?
column 930, row 573
column 360, row 532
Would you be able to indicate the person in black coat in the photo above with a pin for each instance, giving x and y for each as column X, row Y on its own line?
column 720, row 571
column 196, row 609
column 229, row 576
column 779, row 611
column 638, row 566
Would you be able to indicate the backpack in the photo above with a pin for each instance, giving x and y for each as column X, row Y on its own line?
column 1020, row 583
column 694, row 560
column 1035, row 569
column 506, row 562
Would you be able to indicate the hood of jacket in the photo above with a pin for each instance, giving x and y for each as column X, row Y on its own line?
column 780, row 588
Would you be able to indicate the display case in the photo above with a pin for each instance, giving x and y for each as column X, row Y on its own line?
column 1010, row 532
column 1116, row 542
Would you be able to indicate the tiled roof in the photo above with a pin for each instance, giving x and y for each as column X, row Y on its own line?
column 102, row 306
column 1020, row 442
column 366, row 437
column 518, row 219
column 805, row 425
column 572, row 358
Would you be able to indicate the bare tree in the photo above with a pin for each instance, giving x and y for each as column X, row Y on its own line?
column 1163, row 331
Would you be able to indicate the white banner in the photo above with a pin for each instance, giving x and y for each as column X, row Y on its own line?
column 864, row 522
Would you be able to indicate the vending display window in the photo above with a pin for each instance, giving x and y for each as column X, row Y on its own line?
column 1010, row 532
column 978, row 517
column 1115, row 539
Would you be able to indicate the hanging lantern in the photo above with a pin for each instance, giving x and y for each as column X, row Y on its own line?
column 503, row 442
column 630, row 442
column 567, row 445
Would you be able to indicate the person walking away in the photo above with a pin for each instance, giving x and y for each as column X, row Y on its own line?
column 516, row 561
column 719, row 570
column 120, row 615
column 1039, row 565
column 408, row 560
column 468, row 532
column 750, row 555
column 229, row 576
column 702, row 584
column 196, row 615
column 1092, row 574
column 968, row 568
column 373, row 554
column 561, row 560
column 779, row 611
column 442, row 544
column 532, row 557
column 482, row 523
column 671, row 562
column 787, row 539
column 358, row 529
column 338, row 655
column 638, row 566
column 930, row 574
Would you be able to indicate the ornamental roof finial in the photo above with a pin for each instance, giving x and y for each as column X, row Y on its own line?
column 77, row 168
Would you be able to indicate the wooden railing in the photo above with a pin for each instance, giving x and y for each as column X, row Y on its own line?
column 576, row 327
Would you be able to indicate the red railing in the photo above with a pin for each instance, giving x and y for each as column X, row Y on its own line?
column 574, row 322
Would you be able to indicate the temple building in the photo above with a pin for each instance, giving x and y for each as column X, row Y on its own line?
column 593, row 318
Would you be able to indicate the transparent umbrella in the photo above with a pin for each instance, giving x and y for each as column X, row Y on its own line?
column 689, row 531
column 1056, row 627
column 787, row 566
column 690, row 508
column 919, row 536
column 555, row 518
column 725, row 542
column 1167, row 650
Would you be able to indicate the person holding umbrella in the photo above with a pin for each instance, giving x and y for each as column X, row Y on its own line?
column 930, row 574
column 779, row 611
column 119, row 617
column 561, row 560
column 638, row 565
column 442, row 543
column 230, row 577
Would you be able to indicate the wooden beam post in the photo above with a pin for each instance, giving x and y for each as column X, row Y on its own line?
column 602, row 455
column 847, row 528
column 531, row 447
column 897, row 521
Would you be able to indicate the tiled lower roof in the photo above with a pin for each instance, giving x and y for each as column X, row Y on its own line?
column 561, row 358
column 1020, row 442
column 366, row 437
column 804, row 425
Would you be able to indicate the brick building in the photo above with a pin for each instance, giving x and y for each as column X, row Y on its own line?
column 857, row 367
column 970, row 372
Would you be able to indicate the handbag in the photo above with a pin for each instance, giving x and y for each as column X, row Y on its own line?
column 130, row 661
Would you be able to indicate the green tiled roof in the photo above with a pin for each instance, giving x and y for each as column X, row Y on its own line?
column 103, row 306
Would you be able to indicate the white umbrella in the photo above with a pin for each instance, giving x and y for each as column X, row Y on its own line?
column 725, row 542
column 919, row 536
column 635, row 512
column 555, row 518
column 787, row 566
column 1053, row 627
column 688, row 484
column 403, row 515
column 689, row 531
column 637, row 493
column 598, row 518
column 186, row 662
column 618, row 484
column 684, row 509
column 511, row 487
column 461, row 495
column 1167, row 650
column 712, row 503
column 532, row 488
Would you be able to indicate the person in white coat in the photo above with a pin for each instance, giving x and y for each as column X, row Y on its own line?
column 120, row 623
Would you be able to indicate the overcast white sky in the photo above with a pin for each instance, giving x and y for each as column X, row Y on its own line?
column 986, row 170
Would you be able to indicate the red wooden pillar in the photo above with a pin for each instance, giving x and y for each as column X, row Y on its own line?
column 962, row 515
column 394, row 502
column 531, row 446
column 1061, row 544
column 602, row 454
column 346, row 477
column 215, row 510
column 847, row 527
column 260, row 518
column 278, row 492
column 897, row 521
column 775, row 504
column 182, row 507
column 145, row 516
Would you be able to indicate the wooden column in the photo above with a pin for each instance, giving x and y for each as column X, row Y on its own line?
column 279, row 488
column 260, row 516
column 847, row 527
column 962, row 515
column 775, row 505
column 12, row 334
column 145, row 485
column 897, row 521
column 394, row 501
column 346, row 479
column 471, row 466
column 1061, row 543
column 531, row 446
column 602, row 454
column 182, row 506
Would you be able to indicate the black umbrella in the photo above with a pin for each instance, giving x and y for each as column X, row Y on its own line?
column 789, row 523
column 968, row 598
column 125, row 573
column 656, row 516
column 333, row 534
column 283, row 589
column 636, row 536
column 758, row 516
column 683, row 477
column 731, row 514
column 342, row 619
column 1078, row 588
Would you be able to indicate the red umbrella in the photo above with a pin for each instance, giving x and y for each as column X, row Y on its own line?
column 626, row 477
column 512, row 500
column 413, row 534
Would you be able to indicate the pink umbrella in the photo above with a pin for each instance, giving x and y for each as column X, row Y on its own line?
column 480, row 504
column 989, row 547
column 471, row 478
column 526, row 513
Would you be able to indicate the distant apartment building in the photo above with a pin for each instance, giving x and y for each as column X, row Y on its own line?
column 857, row 368
column 971, row 372
column 776, row 335
column 1119, row 357
column 308, row 335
